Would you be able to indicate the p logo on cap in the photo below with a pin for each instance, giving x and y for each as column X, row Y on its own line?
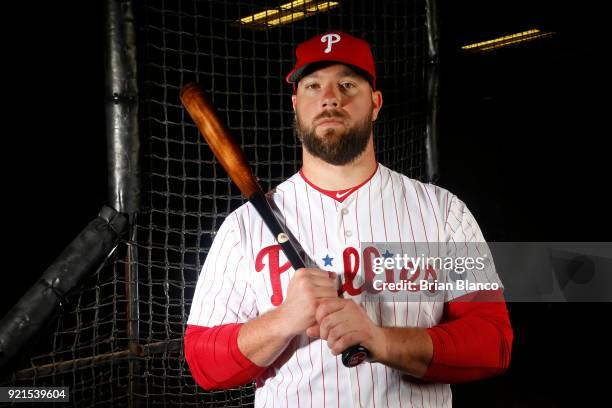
column 331, row 39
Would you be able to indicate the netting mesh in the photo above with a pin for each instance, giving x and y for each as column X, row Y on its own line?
column 187, row 194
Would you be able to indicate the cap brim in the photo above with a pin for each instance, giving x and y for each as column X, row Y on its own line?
column 295, row 75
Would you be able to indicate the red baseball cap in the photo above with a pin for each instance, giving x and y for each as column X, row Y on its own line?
column 334, row 46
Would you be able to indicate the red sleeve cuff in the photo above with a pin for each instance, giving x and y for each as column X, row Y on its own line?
column 473, row 343
column 214, row 358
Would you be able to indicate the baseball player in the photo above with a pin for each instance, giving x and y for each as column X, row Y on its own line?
column 254, row 317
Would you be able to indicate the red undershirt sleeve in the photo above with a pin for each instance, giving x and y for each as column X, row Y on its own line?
column 474, row 341
column 214, row 358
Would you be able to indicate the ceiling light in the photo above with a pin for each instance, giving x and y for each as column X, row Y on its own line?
column 287, row 13
column 506, row 40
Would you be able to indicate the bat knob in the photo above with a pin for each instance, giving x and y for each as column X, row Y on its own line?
column 355, row 355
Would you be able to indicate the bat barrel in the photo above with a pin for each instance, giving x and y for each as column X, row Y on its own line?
column 225, row 149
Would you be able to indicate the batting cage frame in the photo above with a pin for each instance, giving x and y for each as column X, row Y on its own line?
column 119, row 319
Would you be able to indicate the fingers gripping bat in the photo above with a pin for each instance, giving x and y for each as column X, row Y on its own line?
column 233, row 161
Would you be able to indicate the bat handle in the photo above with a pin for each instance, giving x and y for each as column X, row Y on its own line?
column 259, row 201
column 353, row 355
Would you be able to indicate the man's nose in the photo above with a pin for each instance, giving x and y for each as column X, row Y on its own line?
column 330, row 97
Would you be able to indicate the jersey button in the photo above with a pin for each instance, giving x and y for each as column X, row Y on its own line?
column 348, row 233
column 344, row 211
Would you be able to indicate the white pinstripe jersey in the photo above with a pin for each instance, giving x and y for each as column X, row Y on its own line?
column 235, row 283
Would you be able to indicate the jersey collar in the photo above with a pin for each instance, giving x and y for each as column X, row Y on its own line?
column 338, row 195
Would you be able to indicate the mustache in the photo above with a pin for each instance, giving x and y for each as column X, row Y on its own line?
column 330, row 113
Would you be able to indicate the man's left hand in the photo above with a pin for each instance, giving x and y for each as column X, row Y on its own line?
column 344, row 323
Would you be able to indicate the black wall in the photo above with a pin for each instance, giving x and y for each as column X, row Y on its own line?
column 522, row 143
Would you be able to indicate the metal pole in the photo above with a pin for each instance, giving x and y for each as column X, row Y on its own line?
column 123, row 156
column 167, row 346
column 431, row 136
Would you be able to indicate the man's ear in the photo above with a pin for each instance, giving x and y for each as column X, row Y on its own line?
column 377, row 101
column 293, row 101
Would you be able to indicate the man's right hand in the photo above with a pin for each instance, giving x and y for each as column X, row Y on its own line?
column 305, row 289
column 263, row 339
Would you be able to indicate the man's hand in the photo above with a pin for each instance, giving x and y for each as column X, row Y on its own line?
column 306, row 290
column 263, row 339
column 343, row 323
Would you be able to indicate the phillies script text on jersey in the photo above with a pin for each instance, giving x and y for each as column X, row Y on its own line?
column 268, row 259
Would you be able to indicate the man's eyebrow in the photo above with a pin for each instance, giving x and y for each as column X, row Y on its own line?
column 344, row 73
column 347, row 72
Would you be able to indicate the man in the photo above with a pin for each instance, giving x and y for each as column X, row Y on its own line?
column 254, row 318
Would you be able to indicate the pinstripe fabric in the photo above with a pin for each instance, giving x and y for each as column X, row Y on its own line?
column 388, row 208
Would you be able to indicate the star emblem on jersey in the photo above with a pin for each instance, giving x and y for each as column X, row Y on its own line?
column 327, row 260
column 387, row 254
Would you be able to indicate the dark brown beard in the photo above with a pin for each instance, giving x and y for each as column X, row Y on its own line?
column 334, row 148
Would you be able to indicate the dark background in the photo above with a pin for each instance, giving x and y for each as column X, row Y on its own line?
column 54, row 161
column 521, row 142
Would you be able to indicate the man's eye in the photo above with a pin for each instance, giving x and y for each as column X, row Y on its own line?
column 313, row 85
column 347, row 85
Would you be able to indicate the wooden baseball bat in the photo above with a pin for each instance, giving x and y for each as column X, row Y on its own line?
column 232, row 159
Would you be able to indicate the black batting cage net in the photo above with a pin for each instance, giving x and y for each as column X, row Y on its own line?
column 118, row 340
